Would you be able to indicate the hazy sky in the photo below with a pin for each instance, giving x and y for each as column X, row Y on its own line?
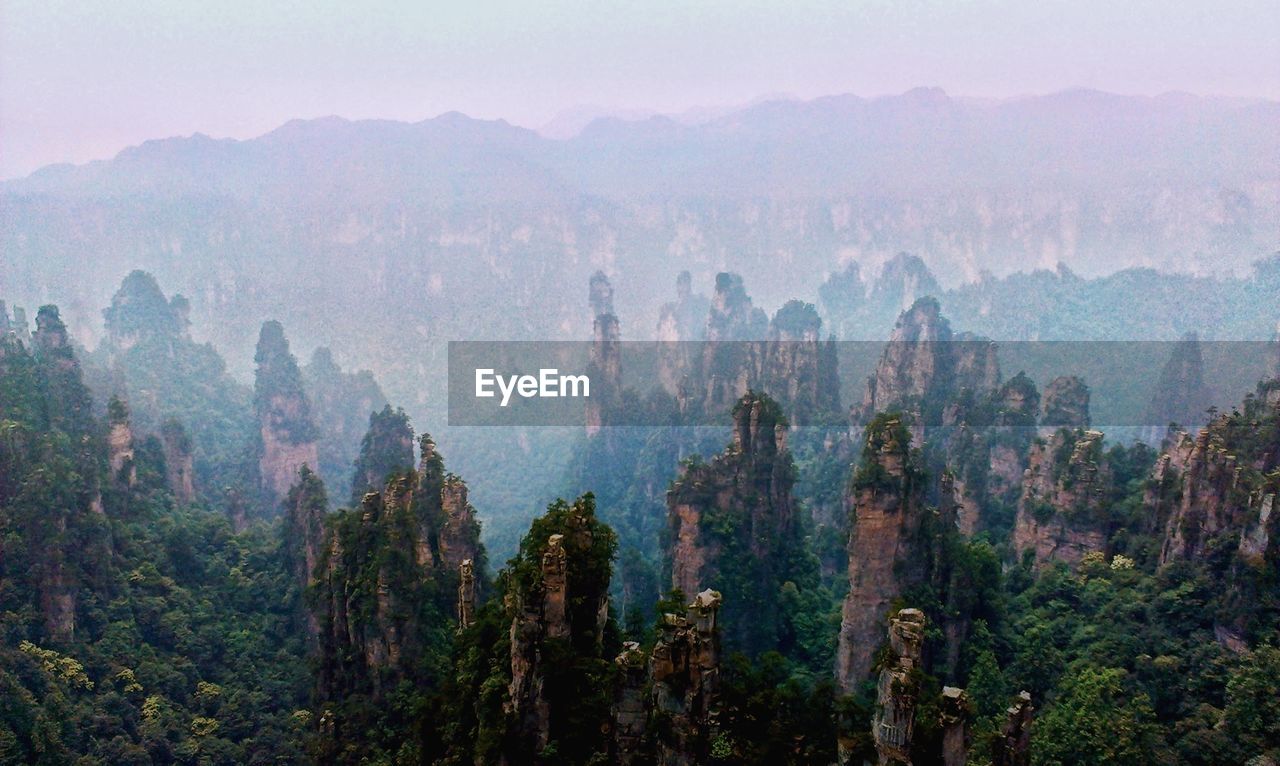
column 81, row 80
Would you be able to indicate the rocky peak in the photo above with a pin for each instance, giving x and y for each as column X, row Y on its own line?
column 1062, row 511
column 558, row 592
column 954, row 720
column 1180, row 395
column 736, row 514
column 902, row 281
column 139, row 312
column 341, row 402
column 460, row 532
column 1013, row 746
column 732, row 316
column 1066, row 403
column 889, row 548
column 684, row 670
column 51, row 334
column 897, row 689
column 924, row 366
column 288, row 435
column 799, row 370
column 306, row 507
column 387, row 448
column 605, row 366
column 679, row 323
column 600, row 294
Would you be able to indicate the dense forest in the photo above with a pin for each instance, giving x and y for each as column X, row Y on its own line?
column 946, row 564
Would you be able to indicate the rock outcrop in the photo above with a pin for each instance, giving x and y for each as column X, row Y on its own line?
column 897, row 689
column 179, row 461
column 306, row 507
column 676, row 685
column 1217, row 489
column 890, row 543
column 684, row 673
column 1180, row 394
column 680, row 324
column 736, row 514
column 954, row 721
column 799, row 369
column 562, row 603
column 1066, row 404
column 341, row 402
column 387, row 448
column 381, row 569
column 924, row 365
column 120, row 444
column 605, row 366
column 1013, row 746
column 287, row 433
column 1062, row 513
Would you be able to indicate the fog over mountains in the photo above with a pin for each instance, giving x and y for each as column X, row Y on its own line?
column 358, row 234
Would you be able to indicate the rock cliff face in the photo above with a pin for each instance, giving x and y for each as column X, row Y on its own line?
column 924, row 366
column 561, row 605
column 897, row 689
column 954, row 720
column 1217, row 491
column 384, row 580
column 684, row 671
column 605, row 366
column 677, row 684
column 735, row 517
column 341, row 402
column 799, row 369
column 304, row 540
column 1066, row 404
column 179, row 461
column 68, row 409
column 1062, row 513
column 387, row 448
column 890, row 546
column 120, row 444
column 1013, row 746
column 288, row 435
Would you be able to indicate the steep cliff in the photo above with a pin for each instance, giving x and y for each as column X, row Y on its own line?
column 179, row 460
column 558, row 606
column 924, row 365
column 891, row 543
column 387, row 448
column 1066, row 404
column 149, row 359
column 605, row 365
column 1063, row 510
column 897, row 689
column 120, row 444
column 1180, row 394
column 1213, row 496
column 287, row 434
column 389, row 580
column 341, row 402
column 733, row 525
column 56, row 538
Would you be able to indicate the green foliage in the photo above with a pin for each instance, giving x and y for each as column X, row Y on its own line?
column 1098, row 719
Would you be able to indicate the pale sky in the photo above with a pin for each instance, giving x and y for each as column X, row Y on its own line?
column 81, row 80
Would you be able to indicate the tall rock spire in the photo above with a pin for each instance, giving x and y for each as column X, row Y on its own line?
column 288, row 435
